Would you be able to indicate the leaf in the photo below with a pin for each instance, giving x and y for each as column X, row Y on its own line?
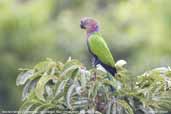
column 90, row 90
column 60, row 87
column 80, row 102
column 69, row 94
column 49, row 91
column 35, row 76
column 83, row 79
column 40, row 87
column 30, row 85
column 45, row 110
column 125, row 105
column 23, row 77
column 71, row 63
column 68, row 72
column 94, row 87
column 109, row 82
column 39, row 108
column 75, row 74
column 45, row 66
column 27, row 106
column 109, row 109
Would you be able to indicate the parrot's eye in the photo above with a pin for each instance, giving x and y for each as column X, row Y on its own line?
column 86, row 22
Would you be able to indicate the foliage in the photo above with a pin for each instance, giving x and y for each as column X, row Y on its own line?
column 70, row 88
column 31, row 30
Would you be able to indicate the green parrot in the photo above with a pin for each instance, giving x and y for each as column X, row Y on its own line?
column 97, row 45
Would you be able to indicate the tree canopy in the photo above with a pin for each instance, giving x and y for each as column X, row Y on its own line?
column 70, row 88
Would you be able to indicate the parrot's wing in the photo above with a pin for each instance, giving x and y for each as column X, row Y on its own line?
column 99, row 47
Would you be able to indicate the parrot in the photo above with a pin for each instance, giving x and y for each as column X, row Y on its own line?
column 97, row 46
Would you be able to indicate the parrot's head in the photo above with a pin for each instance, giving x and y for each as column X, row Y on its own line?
column 89, row 24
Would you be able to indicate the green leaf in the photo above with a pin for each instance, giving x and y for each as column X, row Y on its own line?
column 68, row 72
column 60, row 86
column 45, row 66
column 83, row 78
column 71, row 63
column 69, row 94
column 27, row 106
column 23, row 77
column 40, row 87
column 49, row 91
column 30, row 85
column 125, row 105
column 39, row 108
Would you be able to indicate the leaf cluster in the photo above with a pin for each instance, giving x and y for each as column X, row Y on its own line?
column 69, row 88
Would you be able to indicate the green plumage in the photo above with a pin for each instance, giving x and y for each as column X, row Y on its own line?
column 99, row 48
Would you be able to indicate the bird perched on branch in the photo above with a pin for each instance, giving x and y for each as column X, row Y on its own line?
column 97, row 45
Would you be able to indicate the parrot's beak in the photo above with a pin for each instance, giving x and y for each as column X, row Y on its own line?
column 82, row 25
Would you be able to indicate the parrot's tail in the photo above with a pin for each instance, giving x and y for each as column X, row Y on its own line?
column 111, row 70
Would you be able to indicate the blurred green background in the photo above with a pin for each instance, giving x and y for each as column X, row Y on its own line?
column 138, row 31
